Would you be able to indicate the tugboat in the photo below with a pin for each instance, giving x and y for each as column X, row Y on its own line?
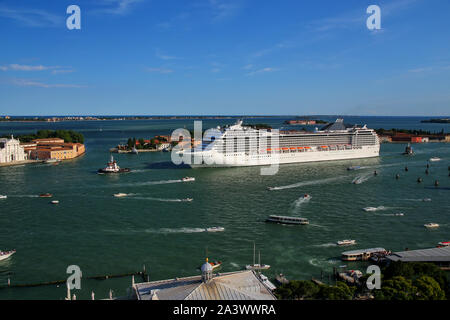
column 408, row 150
column 112, row 167
column 6, row 254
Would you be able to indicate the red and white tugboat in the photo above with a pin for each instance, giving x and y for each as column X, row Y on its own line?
column 113, row 167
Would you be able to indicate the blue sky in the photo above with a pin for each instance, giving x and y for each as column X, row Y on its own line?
column 225, row 57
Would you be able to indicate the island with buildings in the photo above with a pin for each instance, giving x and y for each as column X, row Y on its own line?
column 440, row 120
column 45, row 145
column 411, row 136
column 157, row 143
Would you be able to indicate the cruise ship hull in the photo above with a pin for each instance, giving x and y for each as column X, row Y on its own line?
column 215, row 159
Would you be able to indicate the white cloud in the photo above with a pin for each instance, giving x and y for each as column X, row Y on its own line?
column 159, row 70
column 264, row 70
column 118, row 7
column 33, row 83
column 32, row 17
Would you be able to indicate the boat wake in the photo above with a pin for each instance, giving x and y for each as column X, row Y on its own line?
column 143, row 184
column 326, row 245
column 160, row 231
column 303, row 199
column 362, row 178
column 24, row 196
column 307, row 183
column 235, row 265
column 162, row 199
column 372, row 209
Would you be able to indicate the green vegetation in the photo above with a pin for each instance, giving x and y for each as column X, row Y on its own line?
column 308, row 290
column 68, row 136
column 400, row 281
column 141, row 143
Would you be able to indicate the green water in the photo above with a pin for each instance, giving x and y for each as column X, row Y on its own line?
column 106, row 235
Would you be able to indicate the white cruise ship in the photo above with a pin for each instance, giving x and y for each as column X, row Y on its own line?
column 239, row 145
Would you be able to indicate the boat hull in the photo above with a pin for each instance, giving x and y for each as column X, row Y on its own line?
column 215, row 159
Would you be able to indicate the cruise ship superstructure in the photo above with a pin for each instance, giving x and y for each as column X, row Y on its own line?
column 239, row 145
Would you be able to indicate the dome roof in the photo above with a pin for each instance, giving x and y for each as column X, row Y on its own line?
column 206, row 267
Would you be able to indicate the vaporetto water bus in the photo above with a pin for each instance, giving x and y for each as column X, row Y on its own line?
column 240, row 145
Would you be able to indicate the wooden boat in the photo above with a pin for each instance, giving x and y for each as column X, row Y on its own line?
column 6, row 254
column 45, row 195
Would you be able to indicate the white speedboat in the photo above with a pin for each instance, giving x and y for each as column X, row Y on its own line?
column 346, row 242
column 120, row 195
column 6, row 254
column 215, row 229
column 370, row 209
column 431, row 225
column 434, row 159
column 55, row 202
column 188, row 179
column 3, row 197
column 188, row 199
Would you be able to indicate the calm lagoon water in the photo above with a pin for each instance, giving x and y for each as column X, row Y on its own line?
column 106, row 235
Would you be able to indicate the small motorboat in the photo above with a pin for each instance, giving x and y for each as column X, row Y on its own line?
column 444, row 244
column 188, row 179
column 45, row 195
column 306, row 196
column 52, row 161
column 120, row 195
column 370, row 209
column 55, row 202
column 353, row 168
column 408, row 150
column 3, row 197
column 6, row 254
column 431, row 225
column 434, row 159
column 357, row 180
column 346, row 242
column 215, row 229
column 188, row 200
column 112, row 167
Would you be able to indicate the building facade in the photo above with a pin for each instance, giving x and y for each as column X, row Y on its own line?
column 58, row 151
column 11, row 151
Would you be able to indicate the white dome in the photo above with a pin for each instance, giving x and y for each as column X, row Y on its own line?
column 206, row 267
